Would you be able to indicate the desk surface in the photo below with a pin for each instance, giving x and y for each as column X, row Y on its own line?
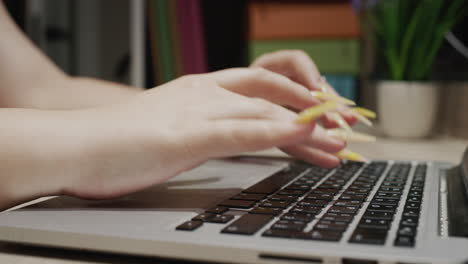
column 441, row 149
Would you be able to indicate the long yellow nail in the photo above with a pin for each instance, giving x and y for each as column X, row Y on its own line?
column 332, row 97
column 350, row 136
column 360, row 117
column 350, row 155
column 365, row 112
column 341, row 122
column 314, row 112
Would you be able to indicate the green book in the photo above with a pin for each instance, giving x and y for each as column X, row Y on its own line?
column 336, row 56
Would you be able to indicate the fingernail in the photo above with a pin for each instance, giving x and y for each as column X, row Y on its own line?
column 365, row 112
column 350, row 136
column 340, row 121
column 360, row 117
column 350, row 155
column 332, row 97
column 314, row 112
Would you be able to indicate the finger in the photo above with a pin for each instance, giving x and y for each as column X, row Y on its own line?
column 320, row 139
column 329, row 122
column 236, row 136
column 258, row 82
column 314, row 156
column 295, row 64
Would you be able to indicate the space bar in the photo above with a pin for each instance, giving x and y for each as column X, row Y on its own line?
column 272, row 183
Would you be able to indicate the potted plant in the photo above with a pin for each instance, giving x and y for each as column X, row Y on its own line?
column 407, row 36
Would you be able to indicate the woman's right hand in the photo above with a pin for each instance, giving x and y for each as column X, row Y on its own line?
column 179, row 125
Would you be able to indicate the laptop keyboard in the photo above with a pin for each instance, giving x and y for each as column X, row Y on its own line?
column 308, row 202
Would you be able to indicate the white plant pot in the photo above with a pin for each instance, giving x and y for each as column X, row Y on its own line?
column 407, row 109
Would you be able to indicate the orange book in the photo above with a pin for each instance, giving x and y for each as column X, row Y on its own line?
column 285, row 20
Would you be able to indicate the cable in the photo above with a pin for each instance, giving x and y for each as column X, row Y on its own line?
column 457, row 44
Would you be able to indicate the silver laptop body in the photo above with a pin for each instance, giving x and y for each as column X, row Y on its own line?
column 147, row 223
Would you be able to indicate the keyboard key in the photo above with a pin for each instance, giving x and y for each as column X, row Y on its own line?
column 338, row 217
column 404, row 241
column 320, row 196
column 295, row 216
column 248, row 224
column 407, row 231
column 289, row 225
column 374, row 224
column 275, row 204
column 331, row 226
column 358, row 197
column 416, row 199
column 289, row 198
column 388, row 195
column 302, row 187
column 266, row 210
column 281, row 233
column 238, row 204
column 217, row 210
column 306, row 209
column 274, row 182
column 324, row 235
column 249, row 196
column 411, row 212
column 327, row 191
column 292, row 192
column 381, row 208
column 368, row 236
column 378, row 215
column 189, row 225
column 203, row 217
column 317, row 203
column 343, row 209
column 412, row 205
column 385, row 201
column 409, row 221
column 348, row 203
column 220, row 219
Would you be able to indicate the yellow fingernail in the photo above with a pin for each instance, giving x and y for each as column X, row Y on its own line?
column 350, row 136
column 341, row 122
column 314, row 112
column 332, row 97
column 324, row 88
column 365, row 112
column 360, row 117
column 350, row 155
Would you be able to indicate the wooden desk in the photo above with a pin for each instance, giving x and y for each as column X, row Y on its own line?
column 442, row 149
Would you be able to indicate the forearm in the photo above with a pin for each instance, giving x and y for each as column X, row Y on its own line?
column 40, row 151
column 62, row 92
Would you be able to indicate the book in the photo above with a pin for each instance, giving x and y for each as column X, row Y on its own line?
column 330, row 55
column 297, row 20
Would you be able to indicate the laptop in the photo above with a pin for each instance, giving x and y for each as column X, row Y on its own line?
column 270, row 210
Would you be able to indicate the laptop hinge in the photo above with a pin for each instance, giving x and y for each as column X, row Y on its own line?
column 457, row 202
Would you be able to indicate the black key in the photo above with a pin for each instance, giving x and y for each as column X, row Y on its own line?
column 357, row 192
column 282, row 233
column 411, row 212
column 417, row 189
column 275, row 204
column 203, row 217
column 318, row 203
column 217, row 210
column 358, row 197
column 189, row 225
column 220, row 219
column 416, row 199
column 302, row 187
column 321, row 196
column 404, row 241
column 343, row 209
column 378, row 215
column 292, row 192
column 338, row 217
column 332, row 226
column 374, row 224
column 348, row 203
column 324, row 235
column 407, row 231
column 381, row 208
column 249, row 196
column 409, row 221
column 328, row 191
column 391, row 189
column 273, row 183
column 289, row 225
column 306, row 209
column 266, row 210
column 388, row 195
column 295, row 216
column 289, row 198
column 330, row 186
column 247, row 224
column 385, row 201
column 412, row 205
column 238, row 204
column 358, row 188
column 369, row 236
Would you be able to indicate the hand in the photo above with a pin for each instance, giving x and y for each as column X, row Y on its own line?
column 177, row 126
column 298, row 67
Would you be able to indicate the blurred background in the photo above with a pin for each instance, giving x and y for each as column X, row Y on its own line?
column 148, row 42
